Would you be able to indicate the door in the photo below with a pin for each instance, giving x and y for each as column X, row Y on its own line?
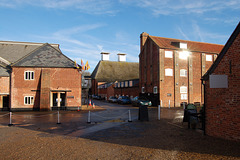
column 5, row 103
column 63, row 99
column 55, row 100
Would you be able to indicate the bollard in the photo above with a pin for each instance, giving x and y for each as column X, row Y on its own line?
column 58, row 122
column 10, row 119
column 129, row 116
column 78, row 108
column 183, row 105
column 169, row 103
column 89, row 117
column 159, row 112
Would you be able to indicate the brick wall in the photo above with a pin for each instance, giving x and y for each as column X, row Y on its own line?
column 223, row 104
column 61, row 79
column 152, row 73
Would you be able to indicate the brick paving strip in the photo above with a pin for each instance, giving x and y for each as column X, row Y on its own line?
column 164, row 139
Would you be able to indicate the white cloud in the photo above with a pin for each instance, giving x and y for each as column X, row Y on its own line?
column 173, row 7
column 89, row 6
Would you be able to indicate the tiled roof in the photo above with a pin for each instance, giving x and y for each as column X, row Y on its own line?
column 192, row 46
column 3, row 72
column 111, row 71
column 13, row 51
column 45, row 56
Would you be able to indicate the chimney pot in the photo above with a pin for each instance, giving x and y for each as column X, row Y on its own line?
column 105, row 56
column 121, row 57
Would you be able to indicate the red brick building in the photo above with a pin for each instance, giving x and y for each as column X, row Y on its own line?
column 222, row 91
column 114, row 78
column 39, row 77
column 171, row 69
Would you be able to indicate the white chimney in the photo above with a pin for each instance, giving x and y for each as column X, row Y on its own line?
column 105, row 56
column 121, row 57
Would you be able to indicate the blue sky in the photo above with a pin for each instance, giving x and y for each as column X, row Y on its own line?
column 85, row 28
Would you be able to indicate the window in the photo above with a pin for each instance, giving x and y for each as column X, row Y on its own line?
column 155, row 91
column 183, row 89
column 122, row 84
column 28, row 100
column 209, row 58
column 168, row 72
column 183, row 54
column 143, row 89
column 28, row 75
column 183, row 45
column 183, row 73
column 183, row 96
column 168, row 54
column 130, row 83
column 126, row 83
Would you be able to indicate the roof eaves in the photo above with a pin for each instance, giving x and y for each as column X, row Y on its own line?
column 222, row 53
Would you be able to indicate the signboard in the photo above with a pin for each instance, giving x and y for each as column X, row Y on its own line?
column 218, row 81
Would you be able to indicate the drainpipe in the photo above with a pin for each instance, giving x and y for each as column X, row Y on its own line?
column 204, row 113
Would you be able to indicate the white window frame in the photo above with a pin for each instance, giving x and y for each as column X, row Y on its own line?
column 184, row 96
column 168, row 72
column 183, row 89
column 130, row 83
column 209, row 58
column 126, row 83
column 155, row 89
column 183, row 73
column 28, row 75
column 28, row 100
column 168, row 54
column 143, row 89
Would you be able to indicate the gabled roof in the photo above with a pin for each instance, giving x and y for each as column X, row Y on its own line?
column 192, row 46
column 13, row 51
column 111, row 71
column 230, row 41
column 3, row 71
column 45, row 56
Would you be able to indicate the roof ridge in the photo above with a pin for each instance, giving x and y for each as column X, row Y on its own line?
column 185, row 40
column 26, row 43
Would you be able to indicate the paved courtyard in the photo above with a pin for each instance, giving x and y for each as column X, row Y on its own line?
column 109, row 135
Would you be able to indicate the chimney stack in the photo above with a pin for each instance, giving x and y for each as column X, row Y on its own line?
column 105, row 56
column 143, row 38
column 121, row 57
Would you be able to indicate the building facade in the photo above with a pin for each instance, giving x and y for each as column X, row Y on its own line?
column 222, row 92
column 114, row 78
column 39, row 77
column 170, row 69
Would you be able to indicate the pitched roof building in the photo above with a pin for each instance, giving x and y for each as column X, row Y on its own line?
column 171, row 69
column 222, row 91
column 39, row 77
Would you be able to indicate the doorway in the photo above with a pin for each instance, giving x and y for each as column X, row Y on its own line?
column 6, row 103
column 58, row 100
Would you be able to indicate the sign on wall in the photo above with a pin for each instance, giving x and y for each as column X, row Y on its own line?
column 218, row 81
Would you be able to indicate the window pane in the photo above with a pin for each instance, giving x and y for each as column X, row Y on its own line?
column 169, row 54
column 168, row 72
column 25, row 100
column 183, row 96
column 183, row 89
column 208, row 57
column 32, row 77
column 183, row 73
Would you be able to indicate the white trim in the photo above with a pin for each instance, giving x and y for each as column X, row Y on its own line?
column 28, row 75
column 29, row 100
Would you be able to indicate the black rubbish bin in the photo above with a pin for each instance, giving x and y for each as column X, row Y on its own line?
column 143, row 113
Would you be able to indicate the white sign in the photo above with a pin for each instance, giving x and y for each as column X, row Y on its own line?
column 218, row 81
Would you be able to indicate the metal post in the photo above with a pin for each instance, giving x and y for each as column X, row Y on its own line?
column 58, row 122
column 169, row 103
column 161, row 103
column 89, row 117
column 183, row 105
column 159, row 112
column 10, row 119
column 129, row 116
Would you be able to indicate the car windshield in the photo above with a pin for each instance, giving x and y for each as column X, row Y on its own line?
column 125, row 97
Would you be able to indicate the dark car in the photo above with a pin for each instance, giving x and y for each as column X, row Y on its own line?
column 124, row 100
column 112, row 99
column 138, row 101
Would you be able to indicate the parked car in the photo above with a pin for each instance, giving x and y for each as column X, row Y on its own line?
column 124, row 100
column 112, row 99
column 138, row 101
